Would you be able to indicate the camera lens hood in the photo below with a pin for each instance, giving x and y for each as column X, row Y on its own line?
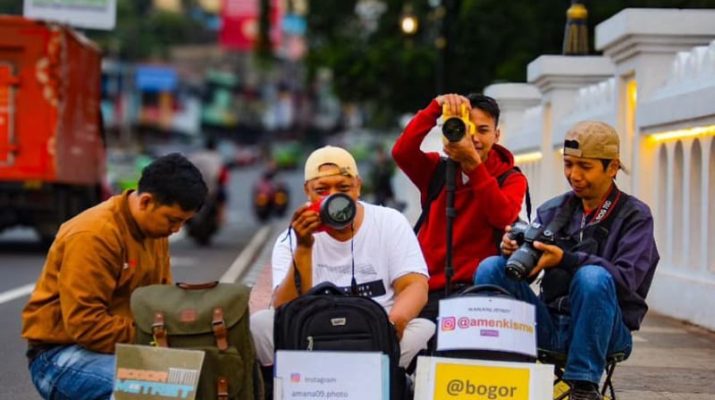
column 338, row 211
column 454, row 129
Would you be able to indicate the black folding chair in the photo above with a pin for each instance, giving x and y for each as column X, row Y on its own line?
column 559, row 361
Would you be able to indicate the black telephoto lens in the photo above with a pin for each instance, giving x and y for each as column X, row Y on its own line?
column 338, row 211
column 522, row 262
column 454, row 129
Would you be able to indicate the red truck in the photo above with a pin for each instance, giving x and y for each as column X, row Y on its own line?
column 52, row 151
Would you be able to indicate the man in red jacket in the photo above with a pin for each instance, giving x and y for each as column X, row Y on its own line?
column 483, row 206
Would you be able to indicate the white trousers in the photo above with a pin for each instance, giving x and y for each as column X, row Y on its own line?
column 414, row 339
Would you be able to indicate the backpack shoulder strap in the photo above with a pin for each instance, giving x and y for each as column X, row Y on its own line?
column 500, row 181
column 435, row 187
column 502, row 178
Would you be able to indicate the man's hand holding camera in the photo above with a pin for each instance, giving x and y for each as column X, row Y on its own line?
column 534, row 254
column 508, row 245
column 462, row 150
column 551, row 257
column 305, row 222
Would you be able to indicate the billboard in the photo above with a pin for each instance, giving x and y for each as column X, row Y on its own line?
column 90, row 14
column 240, row 24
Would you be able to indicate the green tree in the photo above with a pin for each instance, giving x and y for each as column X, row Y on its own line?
column 490, row 41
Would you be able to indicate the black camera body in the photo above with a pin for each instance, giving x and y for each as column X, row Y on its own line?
column 524, row 259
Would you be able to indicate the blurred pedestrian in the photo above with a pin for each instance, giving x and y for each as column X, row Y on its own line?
column 381, row 178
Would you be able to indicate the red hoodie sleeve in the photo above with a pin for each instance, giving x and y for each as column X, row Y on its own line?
column 416, row 164
column 503, row 203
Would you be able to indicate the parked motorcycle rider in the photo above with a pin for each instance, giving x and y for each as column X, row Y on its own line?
column 210, row 162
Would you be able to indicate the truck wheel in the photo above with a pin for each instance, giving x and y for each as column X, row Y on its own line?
column 47, row 232
column 49, row 223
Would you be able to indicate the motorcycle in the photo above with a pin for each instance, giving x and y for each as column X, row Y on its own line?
column 208, row 220
column 270, row 197
column 204, row 224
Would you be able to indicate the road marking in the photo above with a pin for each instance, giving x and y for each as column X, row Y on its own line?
column 18, row 292
column 247, row 255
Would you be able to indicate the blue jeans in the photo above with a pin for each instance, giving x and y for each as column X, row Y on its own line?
column 593, row 330
column 73, row 373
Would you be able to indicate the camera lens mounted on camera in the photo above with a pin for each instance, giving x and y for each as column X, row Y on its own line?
column 524, row 259
column 454, row 129
column 455, row 126
column 337, row 211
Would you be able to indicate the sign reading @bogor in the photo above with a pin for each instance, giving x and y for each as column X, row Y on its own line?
column 487, row 323
column 461, row 379
column 90, row 14
column 146, row 372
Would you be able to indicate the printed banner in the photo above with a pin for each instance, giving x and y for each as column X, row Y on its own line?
column 91, row 14
column 240, row 24
column 487, row 323
column 458, row 379
column 331, row 375
column 146, row 372
column 6, row 111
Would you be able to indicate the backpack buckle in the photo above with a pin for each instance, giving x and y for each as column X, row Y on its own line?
column 222, row 388
column 218, row 325
column 158, row 330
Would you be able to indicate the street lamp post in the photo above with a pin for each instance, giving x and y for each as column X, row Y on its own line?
column 408, row 22
column 446, row 12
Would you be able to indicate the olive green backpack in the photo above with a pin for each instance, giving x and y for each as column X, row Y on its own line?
column 212, row 317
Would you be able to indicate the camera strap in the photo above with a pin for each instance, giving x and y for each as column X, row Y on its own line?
column 604, row 210
column 354, row 289
column 433, row 190
column 602, row 216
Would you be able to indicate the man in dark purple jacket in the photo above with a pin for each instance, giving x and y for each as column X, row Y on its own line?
column 598, row 267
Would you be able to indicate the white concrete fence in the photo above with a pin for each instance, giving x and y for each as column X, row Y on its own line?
column 655, row 83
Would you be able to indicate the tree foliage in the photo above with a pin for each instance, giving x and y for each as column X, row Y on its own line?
column 490, row 41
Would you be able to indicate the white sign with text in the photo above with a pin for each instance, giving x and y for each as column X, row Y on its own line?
column 331, row 375
column 91, row 14
column 487, row 323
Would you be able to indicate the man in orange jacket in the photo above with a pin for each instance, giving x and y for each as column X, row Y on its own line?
column 80, row 309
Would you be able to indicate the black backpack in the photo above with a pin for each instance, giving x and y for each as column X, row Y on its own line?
column 327, row 319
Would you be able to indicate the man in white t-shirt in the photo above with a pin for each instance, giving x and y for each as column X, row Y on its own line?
column 389, row 266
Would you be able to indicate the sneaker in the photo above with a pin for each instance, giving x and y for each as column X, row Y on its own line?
column 589, row 392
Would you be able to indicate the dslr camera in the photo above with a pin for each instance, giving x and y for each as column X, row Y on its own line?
column 455, row 126
column 524, row 259
column 336, row 211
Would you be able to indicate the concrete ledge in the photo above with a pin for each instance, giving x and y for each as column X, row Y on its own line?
column 550, row 72
column 668, row 109
column 514, row 95
column 680, row 296
column 657, row 22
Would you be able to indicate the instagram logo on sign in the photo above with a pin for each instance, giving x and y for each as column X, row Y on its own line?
column 448, row 323
column 295, row 378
